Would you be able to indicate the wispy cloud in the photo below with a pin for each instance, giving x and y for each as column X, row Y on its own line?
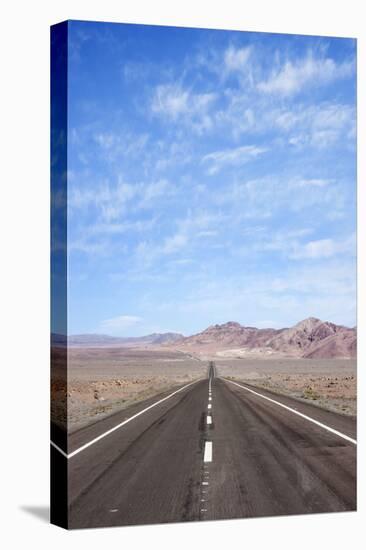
column 175, row 102
column 111, row 201
column 294, row 76
column 232, row 157
column 236, row 59
column 188, row 233
column 324, row 248
column 294, row 245
column 121, row 144
column 318, row 126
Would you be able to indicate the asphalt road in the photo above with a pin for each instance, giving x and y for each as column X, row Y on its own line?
column 190, row 457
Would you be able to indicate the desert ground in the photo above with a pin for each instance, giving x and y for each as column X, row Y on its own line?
column 327, row 383
column 101, row 381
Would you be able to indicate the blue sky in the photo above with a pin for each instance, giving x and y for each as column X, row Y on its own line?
column 211, row 177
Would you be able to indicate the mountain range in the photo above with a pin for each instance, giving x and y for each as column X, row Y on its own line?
column 310, row 338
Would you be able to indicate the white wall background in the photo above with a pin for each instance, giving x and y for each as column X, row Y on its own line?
column 24, row 304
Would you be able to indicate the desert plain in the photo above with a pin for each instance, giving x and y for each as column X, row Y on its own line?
column 102, row 381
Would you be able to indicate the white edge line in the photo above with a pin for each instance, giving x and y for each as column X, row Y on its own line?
column 328, row 428
column 58, row 449
column 83, row 447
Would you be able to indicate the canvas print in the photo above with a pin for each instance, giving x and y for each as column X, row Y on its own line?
column 203, row 284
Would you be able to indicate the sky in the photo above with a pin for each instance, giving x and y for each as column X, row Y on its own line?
column 211, row 178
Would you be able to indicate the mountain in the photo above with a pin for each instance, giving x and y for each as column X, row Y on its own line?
column 341, row 344
column 103, row 340
column 304, row 337
column 231, row 334
column 311, row 338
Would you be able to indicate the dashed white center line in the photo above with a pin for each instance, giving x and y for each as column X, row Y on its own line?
column 208, row 452
column 207, row 455
column 114, row 510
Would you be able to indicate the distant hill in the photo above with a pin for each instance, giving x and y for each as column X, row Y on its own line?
column 231, row 334
column 314, row 338
column 103, row 340
column 342, row 344
column 310, row 338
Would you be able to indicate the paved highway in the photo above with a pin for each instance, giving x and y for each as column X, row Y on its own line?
column 211, row 450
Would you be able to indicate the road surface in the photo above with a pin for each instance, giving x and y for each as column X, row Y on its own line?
column 212, row 450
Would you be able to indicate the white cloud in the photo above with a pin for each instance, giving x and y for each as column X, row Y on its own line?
column 194, row 226
column 173, row 101
column 174, row 243
column 302, row 124
column 236, row 59
column 170, row 100
column 112, row 201
column 232, row 157
column 176, row 103
column 319, row 126
column 237, row 113
column 188, row 230
column 265, row 197
column 122, row 143
column 324, row 248
column 293, row 77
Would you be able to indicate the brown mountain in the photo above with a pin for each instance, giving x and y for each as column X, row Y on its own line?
column 305, row 336
column 231, row 334
column 310, row 338
column 342, row 344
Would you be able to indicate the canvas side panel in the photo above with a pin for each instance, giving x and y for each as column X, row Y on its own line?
column 59, row 34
